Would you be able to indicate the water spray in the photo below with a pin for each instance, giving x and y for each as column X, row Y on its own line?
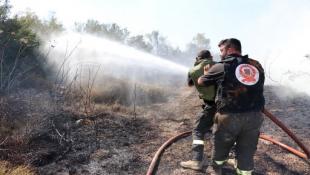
column 115, row 59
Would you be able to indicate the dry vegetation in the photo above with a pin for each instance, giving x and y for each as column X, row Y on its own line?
column 54, row 123
column 7, row 169
column 50, row 132
column 128, row 93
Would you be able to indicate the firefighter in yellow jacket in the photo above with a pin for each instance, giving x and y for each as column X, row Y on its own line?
column 204, row 120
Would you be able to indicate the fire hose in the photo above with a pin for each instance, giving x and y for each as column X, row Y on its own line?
column 287, row 131
column 306, row 155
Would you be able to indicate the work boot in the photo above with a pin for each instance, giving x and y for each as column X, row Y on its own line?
column 214, row 170
column 192, row 164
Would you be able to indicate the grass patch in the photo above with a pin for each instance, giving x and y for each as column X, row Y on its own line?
column 7, row 169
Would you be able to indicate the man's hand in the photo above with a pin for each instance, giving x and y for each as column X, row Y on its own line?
column 206, row 68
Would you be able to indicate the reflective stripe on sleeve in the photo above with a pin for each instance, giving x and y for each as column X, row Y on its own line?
column 198, row 142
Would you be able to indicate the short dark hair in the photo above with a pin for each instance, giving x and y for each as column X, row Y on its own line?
column 231, row 42
column 204, row 54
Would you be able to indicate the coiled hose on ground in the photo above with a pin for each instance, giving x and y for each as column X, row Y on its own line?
column 306, row 156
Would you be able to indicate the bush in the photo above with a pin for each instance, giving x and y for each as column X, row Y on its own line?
column 127, row 93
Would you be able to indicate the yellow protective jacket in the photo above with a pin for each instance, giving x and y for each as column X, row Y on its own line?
column 205, row 93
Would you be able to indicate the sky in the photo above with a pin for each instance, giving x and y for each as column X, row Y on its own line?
column 276, row 32
column 178, row 20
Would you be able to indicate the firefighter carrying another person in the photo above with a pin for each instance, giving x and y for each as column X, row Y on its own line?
column 239, row 101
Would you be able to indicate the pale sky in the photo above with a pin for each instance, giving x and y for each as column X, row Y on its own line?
column 257, row 23
column 275, row 32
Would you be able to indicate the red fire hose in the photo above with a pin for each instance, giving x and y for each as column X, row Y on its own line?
column 290, row 149
column 285, row 129
column 306, row 156
column 162, row 148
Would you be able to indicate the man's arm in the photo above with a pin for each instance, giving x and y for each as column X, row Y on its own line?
column 212, row 75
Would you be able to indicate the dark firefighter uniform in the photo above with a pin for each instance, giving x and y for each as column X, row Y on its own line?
column 239, row 100
column 204, row 119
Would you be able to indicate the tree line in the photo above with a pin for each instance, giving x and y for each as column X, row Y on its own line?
column 20, row 39
column 153, row 42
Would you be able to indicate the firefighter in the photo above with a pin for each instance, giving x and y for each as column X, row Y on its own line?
column 239, row 101
column 204, row 119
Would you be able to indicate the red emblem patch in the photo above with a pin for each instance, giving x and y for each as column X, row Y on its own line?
column 247, row 74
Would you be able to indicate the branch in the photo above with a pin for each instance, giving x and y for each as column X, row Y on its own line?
column 66, row 59
column 3, row 141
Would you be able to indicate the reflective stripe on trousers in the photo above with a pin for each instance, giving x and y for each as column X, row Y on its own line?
column 221, row 162
column 198, row 142
column 243, row 172
column 238, row 171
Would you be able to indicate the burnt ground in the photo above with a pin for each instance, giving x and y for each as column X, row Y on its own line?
column 270, row 159
column 115, row 140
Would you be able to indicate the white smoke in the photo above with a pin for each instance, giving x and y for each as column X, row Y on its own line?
column 74, row 53
column 281, row 39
